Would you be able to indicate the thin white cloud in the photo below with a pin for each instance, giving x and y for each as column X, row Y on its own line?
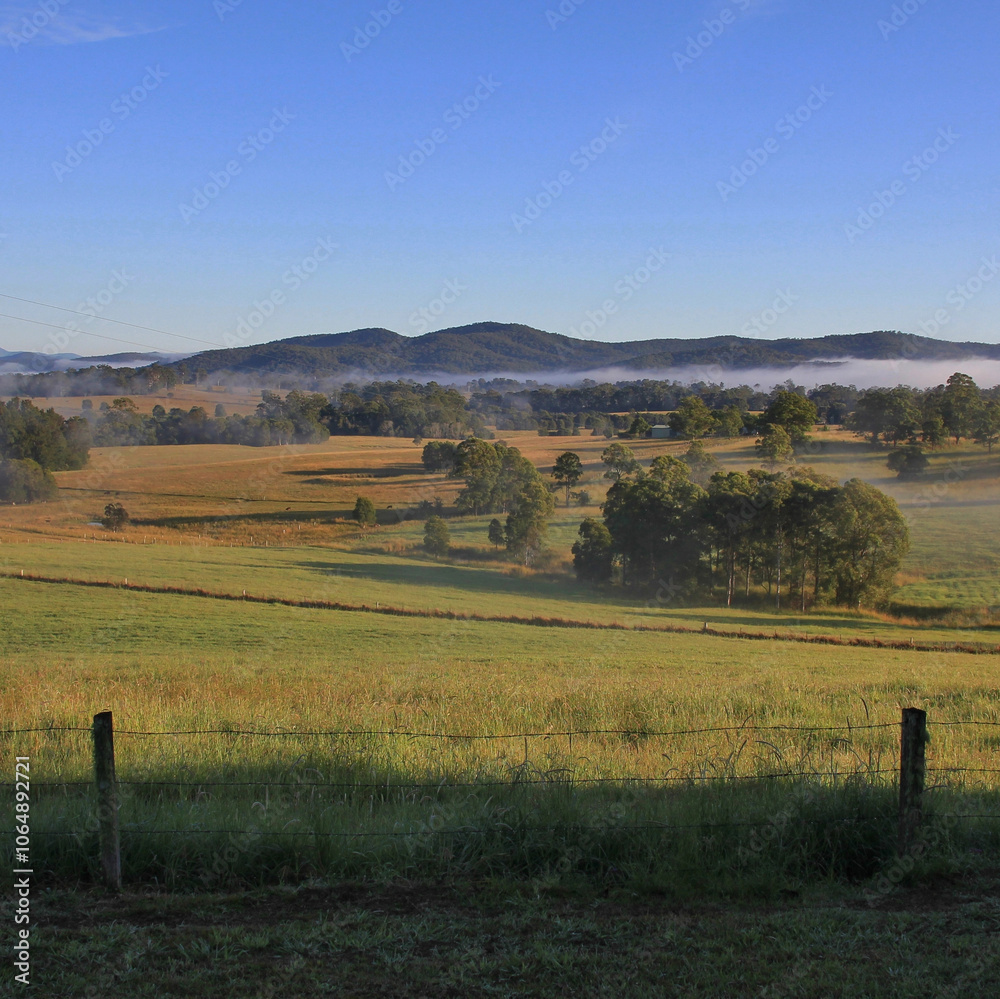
column 57, row 23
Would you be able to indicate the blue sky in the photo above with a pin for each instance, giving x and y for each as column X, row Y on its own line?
column 662, row 170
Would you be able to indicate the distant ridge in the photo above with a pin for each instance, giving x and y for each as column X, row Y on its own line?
column 14, row 362
column 499, row 348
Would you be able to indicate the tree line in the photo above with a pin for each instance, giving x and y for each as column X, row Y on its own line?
column 684, row 526
column 405, row 408
column 956, row 410
column 499, row 479
column 379, row 409
column 294, row 419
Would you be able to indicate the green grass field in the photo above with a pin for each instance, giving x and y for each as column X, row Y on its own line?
column 599, row 830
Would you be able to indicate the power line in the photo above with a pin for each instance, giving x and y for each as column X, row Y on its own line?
column 103, row 319
column 100, row 336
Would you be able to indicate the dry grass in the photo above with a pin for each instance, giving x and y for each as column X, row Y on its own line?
column 237, row 400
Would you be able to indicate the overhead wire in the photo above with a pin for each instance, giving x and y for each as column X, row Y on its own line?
column 103, row 319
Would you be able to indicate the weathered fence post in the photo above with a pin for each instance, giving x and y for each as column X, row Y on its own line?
column 107, row 799
column 913, row 739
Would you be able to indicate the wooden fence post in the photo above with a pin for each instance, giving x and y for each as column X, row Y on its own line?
column 913, row 738
column 107, row 800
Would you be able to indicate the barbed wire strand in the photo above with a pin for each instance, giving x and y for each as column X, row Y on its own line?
column 468, row 736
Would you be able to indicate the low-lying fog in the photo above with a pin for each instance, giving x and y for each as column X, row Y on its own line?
column 860, row 373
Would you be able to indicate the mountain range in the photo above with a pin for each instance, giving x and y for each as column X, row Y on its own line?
column 506, row 348
column 488, row 348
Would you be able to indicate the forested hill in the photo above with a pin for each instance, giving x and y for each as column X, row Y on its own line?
column 485, row 348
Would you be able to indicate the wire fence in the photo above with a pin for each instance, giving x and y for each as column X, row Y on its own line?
column 910, row 771
column 635, row 734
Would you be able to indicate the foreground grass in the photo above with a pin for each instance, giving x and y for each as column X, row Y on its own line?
column 170, row 662
column 654, row 705
column 163, row 661
column 694, row 839
column 462, row 940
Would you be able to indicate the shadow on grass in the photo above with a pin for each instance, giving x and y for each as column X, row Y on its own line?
column 352, row 472
column 734, row 834
column 420, row 570
column 288, row 516
column 387, row 517
column 424, row 571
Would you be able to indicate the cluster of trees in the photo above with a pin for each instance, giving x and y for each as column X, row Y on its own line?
column 590, row 398
column 25, row 481
column 294, row 419
column 98, row 379
column 694, row 410
column 798, row 534
column 33, row 444
column 499, row 479
column 401, row 409
column 439, row 456
column 364, row 512
column 437, row 537
column 115, row 517
column 405, row 408
column 693, row 418
column 43, row 436
column 903, row 415
column 910, row 420
column 386, row 409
